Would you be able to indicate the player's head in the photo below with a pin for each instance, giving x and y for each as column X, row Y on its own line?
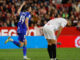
column 29, row 9
column 68, row 23
column 26, row 8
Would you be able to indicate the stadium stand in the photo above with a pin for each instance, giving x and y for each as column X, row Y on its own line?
column 42, row 11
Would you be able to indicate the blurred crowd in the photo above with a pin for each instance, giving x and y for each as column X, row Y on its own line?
column 42, row 11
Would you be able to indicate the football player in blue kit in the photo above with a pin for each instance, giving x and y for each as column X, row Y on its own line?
column 23, row 27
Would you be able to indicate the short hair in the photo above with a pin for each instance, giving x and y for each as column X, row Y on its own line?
column 25, row 8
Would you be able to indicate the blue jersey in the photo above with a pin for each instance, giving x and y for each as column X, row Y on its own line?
column 21, row 24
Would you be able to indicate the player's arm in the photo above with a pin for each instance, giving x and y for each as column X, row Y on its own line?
column 59, row 31
column 19, row 10
column 26, row 22
column 27, row 25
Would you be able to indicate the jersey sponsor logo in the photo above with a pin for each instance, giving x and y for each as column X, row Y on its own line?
column 6, row 32
column 77, row 42
column 12, row 31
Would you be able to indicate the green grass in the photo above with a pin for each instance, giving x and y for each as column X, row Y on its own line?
column 40, row 54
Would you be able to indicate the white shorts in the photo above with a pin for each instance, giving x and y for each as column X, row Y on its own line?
column 49, row 32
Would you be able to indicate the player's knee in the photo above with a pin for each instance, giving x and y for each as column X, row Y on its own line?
column 21, row 45
column 49, row 43
column 25, row 43
column 54, row 42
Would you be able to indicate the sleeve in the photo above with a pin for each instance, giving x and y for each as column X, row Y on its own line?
column 28, row 16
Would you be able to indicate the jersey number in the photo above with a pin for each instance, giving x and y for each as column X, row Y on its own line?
column 22, row 19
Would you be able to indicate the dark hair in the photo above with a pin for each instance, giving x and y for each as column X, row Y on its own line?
column 25, row 8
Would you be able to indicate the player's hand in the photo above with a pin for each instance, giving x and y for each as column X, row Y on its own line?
column 27, row 32
column 24, row 3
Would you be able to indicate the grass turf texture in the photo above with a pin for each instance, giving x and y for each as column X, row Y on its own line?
column 40, row 54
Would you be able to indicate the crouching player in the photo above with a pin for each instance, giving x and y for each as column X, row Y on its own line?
column 22, row 28
column 49, row 30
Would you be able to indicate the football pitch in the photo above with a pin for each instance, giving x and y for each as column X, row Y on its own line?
column 40, row 54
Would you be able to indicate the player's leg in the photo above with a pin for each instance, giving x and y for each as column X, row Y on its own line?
column 46, row 31
column 54, row 48
column 25, row 49
column 50, row 49
column 46, row 34
column 52, row 37
column 20, row 43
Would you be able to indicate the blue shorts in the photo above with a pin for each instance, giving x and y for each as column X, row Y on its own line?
column 21, row 37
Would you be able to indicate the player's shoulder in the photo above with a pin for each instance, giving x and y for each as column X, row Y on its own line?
column 61, row 19
column 22, row 13
column 25, row 12
column 28, row 13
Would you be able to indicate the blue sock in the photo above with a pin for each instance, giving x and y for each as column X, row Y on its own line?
column 16, row 43
column 24, row 50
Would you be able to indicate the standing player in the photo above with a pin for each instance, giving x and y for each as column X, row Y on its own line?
column 49, row 32
column 22, row 28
